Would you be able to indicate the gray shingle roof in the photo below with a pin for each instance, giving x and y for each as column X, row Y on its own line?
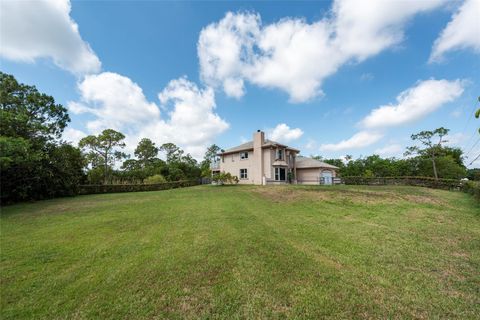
column 304, row 162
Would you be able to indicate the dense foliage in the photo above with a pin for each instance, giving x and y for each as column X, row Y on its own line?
column 102, row 151
column 34, row 163
column 448, row 163
column 225, row 178
column 149, row 167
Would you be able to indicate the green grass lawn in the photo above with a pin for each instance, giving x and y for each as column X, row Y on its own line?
column 244, row 252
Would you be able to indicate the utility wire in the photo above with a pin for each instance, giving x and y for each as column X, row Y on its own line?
column 474, row 159
column 470, row 150
column 470, row 115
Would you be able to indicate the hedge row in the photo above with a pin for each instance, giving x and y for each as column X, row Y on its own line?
column 473, row 188
column 114, row 188
column 446, row 184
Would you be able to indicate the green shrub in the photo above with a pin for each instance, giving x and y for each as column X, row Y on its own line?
column 225, row 178
column 473, row 188
column 158, row 178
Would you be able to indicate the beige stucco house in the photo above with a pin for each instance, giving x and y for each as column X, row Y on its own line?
column 262, row 161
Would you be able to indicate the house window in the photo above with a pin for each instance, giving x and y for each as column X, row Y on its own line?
column 243, row 155
column 279, row 174
column 279, row 155
column 243, row 174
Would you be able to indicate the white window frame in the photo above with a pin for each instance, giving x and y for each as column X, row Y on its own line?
column 244, row 175
column 244, row 155
column 277, row 173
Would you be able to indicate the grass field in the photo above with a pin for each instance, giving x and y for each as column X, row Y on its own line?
column 244, row 252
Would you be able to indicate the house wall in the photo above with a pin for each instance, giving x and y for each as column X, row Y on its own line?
column 232, row 164
column 259, row 163
column 311, row 175
column 308, row 176
column 268, row 155
column 258, row 170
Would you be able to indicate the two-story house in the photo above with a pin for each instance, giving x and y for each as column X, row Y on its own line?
column 262, row 161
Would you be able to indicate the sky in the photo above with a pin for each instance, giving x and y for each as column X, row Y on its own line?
column 329, row 78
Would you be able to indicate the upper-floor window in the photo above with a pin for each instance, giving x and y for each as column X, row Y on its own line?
column 279, row 154
column 243, row 174
column 243, row 155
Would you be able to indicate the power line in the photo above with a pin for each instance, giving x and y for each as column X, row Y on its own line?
column 470, row 115
column 474, row 159
column 470, row 150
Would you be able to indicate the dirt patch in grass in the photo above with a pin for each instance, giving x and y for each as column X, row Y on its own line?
column 281, row 194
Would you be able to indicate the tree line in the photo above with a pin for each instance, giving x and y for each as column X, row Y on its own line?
column 36, row 163
column 429, row 158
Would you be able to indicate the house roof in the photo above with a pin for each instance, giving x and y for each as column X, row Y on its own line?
column 249, row 146
column 304, row 162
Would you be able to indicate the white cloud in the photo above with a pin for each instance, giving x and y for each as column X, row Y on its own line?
column 73, row 135
column 294, row 55
column 456, row 139
column 192, row 121
column 367, row 77
column 44, row 29
column 283, row 133
column 414, row 103
column 390, row 150
column 311, row 144
column 456, row 113
column 225, row 49
column 359, row 140
column 117, row 102
column 460, row 33
column 365, row 29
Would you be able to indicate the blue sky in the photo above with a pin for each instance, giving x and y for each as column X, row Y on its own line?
column 322, row 76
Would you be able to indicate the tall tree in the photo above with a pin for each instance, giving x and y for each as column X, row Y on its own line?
column 33, row 164
column 211, row 153
column 146, row 152
column 432, row 145
column 104, row 149
column 29, row 114
column 209, row 158
column 174, row 153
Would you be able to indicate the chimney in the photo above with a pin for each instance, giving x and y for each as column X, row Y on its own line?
column 258, row 141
